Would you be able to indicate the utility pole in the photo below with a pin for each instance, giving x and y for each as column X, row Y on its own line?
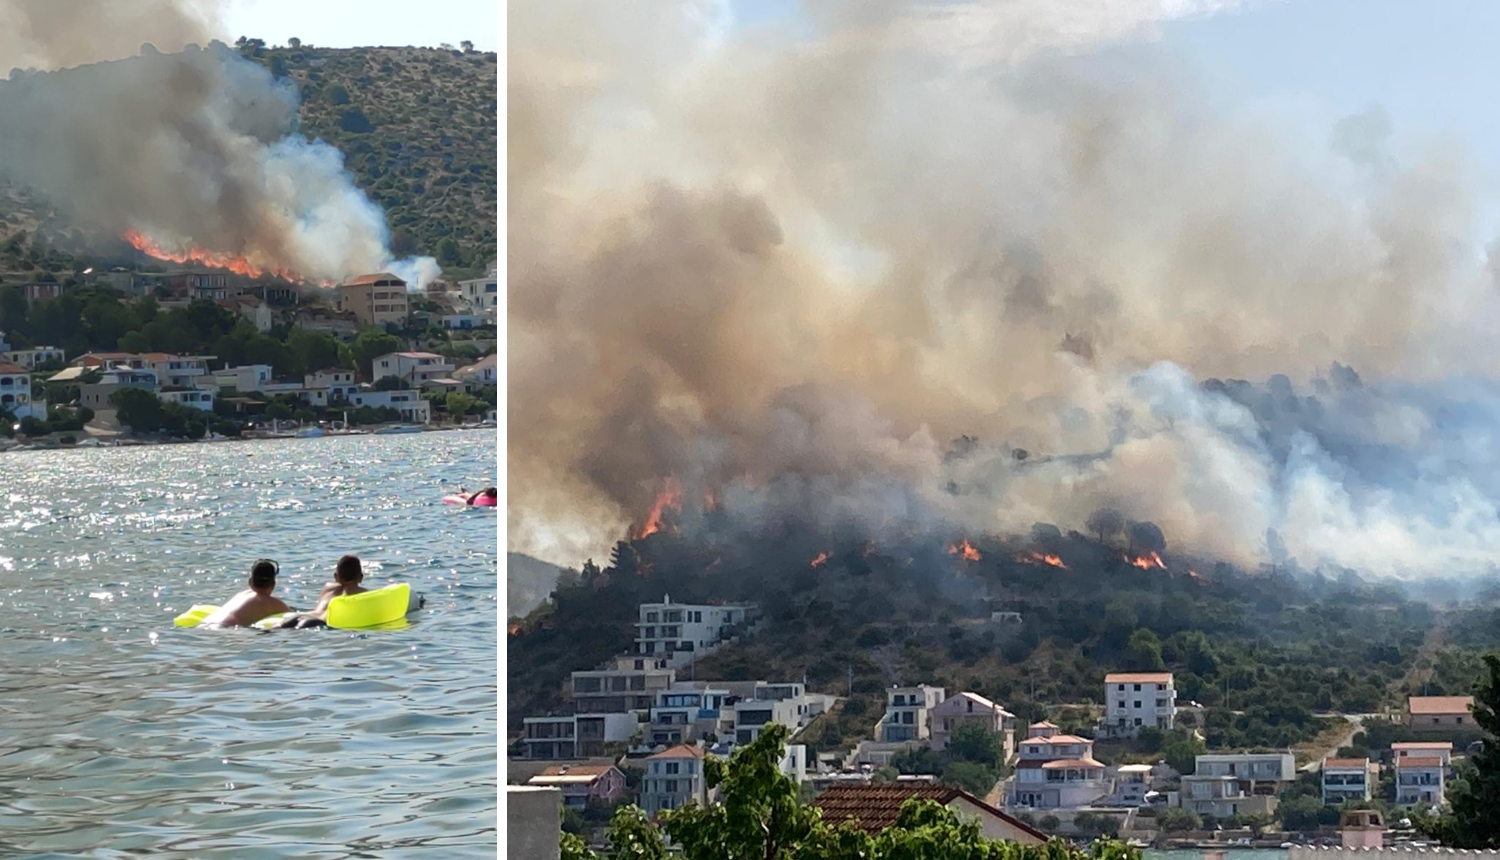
column 850, row 691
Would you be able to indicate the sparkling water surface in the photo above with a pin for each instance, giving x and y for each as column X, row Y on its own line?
column 123, row 736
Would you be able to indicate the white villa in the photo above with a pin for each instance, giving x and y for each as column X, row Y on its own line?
column 680, row 632
column 908, row 713
column 963, row 708
column 1058, row 772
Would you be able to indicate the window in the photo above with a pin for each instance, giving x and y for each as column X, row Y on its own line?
column 1137, row 720
column 1120, row 704
column 1137, row 688
column 672, row 768
column 1161, row 703
column 1120, row 687
column 1136, row 704
column 907, row 718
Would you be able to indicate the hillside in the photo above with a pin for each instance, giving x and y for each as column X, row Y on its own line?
column 528, row 582
column 1263, row 651
column 417, row 127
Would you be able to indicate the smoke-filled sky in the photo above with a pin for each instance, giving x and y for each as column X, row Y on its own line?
column 181, row 140
column 792, row 260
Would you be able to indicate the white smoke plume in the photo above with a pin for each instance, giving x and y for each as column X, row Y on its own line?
column 195, row 148
column 790, row 262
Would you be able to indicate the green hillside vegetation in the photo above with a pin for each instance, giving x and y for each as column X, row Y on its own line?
column 417, row 127
column 1264, row 652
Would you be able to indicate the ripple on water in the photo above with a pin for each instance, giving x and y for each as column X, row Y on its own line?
column 121, row 735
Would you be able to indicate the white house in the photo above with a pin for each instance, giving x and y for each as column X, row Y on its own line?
column 1058, row 772
column 463, row 322
column 685, row 712
column 908, row 713
column 1134, row 700
column 964, row 708
column 680, row 632
column 1222, row 796
column 15, row 393
column 1346, row 779
column 182, row 371
column 413, row 367
column 331, row 385
column 480, row 373
column 413, row 409
column 245, row 378
column 482, row 295
column 1256, row 773
column 674, row 778
column 30, row 358
column 1423, row 749
column 1419, row 779
column 788, row 704
column 192, row 398
column 1132, row 781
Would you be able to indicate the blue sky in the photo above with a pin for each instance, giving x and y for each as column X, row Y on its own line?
column 351, row 23
column 1430, row 66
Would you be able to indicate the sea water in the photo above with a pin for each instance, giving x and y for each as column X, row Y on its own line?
column 121, row 735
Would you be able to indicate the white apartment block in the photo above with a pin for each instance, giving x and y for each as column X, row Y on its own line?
column 685, row 712
column 1419, row 779
column 1134, row 700
column 908, row 713
column 627, row 683
column 674, row 778
column 961, row 709
column 482, row 295
column 413, row 409
column 190, row 398
column 416, row 368
column 681, row 632
column 1058, row 772
column 245, row 378
column 30, row 358
column 1132, row 781
column 1346, row 779
column 1222, row 796
column 1256, row 773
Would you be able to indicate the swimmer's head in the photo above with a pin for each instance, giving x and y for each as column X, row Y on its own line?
column 263, row 575
column 348, row 570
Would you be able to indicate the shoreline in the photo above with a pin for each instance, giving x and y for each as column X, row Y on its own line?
column 12, row 446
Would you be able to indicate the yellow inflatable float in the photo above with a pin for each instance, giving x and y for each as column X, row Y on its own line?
column 379, row 607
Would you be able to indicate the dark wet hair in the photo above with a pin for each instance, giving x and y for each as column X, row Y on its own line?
column 263, row 573
column 348, row 568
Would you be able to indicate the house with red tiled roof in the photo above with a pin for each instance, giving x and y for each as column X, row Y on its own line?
column 674, row 778
column 583, row 783
column 1057, row 772
column 1423, row 749
column 873, row 807
column 1419, row 779
column 1440, row 713
column 1347, row 779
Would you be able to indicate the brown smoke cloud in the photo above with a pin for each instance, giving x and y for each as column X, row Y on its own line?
column 795, row 259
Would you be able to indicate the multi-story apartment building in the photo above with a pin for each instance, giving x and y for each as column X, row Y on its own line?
column 1419, row 779
column 962, row 709
column 1423, row 749
column 1257, row 773
column 674, row 778
column 626, row 683
column 1222, row 796
column 908, row 713
column 1346, row 779
column 375, row 300
column 681, row 632
column 15, row 393
column 576, row 735
column 1134, row 700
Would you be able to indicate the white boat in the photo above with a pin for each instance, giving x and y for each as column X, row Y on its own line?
column 310, row 433
column 399, row 428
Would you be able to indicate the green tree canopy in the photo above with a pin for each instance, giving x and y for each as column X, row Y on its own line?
column 1473, row 819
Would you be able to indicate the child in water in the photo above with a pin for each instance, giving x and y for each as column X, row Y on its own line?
column 347, row 576
column 253, row 604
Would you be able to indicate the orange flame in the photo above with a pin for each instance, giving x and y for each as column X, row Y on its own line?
column 1147, row 561
column 670, row 496
column 513, row 628
column 964, row 550
column 1035, row 557
column 710, row 501
column 819, row 560
column 236, row 263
